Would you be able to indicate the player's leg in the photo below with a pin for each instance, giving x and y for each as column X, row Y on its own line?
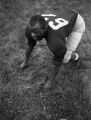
column 74, row 39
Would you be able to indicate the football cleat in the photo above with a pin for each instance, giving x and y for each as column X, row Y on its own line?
column 74, row 57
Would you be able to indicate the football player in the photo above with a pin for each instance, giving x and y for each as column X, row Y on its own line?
column 62, row 32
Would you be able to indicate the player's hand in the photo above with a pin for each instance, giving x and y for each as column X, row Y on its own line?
column 23, row 65
column 48, row 85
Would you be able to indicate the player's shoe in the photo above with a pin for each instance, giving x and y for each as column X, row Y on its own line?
column 74, row 57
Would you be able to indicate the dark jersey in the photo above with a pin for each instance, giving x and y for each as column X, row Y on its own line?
column 60, row 26
column 31, row 41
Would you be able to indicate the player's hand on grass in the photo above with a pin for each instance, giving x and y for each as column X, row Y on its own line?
column 23, row 65
column 48, row 85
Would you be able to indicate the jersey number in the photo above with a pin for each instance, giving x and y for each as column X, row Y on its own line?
column 60, row 21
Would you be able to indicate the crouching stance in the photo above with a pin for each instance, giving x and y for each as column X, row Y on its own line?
column 62, row 33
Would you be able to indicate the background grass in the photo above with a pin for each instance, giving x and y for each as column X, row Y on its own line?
column 19, row 95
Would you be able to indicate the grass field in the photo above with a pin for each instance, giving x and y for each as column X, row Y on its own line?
column 20, row 98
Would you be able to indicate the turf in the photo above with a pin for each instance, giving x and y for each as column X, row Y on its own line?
column 20, row 97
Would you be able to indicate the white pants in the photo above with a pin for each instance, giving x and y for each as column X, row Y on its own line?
column 74, row 38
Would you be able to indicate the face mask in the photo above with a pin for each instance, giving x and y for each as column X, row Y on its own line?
column 37, row 35
column 37, row 32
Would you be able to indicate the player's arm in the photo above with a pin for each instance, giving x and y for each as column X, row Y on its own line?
column 51, row 82
column 57, row 61
column 52, row 78
column 26, row 57
column 31, row 44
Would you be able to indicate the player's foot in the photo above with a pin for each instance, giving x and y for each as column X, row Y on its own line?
column 74, row 57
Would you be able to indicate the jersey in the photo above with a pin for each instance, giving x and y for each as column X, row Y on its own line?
column 59, row 27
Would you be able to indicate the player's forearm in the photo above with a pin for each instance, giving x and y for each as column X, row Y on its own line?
column 50, row 83
column 27, row 54
column 54, row 73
